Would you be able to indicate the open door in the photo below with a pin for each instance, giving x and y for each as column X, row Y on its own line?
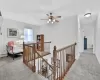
column 85, row 43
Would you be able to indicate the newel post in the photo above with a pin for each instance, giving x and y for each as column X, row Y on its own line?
column 54, row 62
column 23, row 52
column 74, row 51
column 34, row 52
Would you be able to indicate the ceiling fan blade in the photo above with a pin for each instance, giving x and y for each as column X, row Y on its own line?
column 44, row 19
column 58, row 17
column 56, row 21
column 47, row 14
column 50, row 14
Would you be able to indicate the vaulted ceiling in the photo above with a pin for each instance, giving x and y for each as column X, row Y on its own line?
column 31, row 11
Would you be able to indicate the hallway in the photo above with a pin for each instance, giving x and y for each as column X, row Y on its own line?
column 85, row 68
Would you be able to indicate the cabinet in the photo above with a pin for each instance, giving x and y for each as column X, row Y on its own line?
column 40, row 42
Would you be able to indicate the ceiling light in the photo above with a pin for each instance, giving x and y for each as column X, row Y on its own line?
column 87, row 15
column 49, row 19
column 54, row 20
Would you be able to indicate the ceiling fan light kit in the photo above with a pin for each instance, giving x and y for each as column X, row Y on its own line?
column 52, row 22
column 52, row 19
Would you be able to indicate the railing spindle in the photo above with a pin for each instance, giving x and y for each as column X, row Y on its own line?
column 57, row 66
column 28, row 54
column 54, row 62
column 38, row 64
column 34, row 52
column 61, row 64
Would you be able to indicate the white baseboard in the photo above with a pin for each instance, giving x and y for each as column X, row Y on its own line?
column 3, row 55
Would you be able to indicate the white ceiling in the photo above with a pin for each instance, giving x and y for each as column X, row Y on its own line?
column 31, row 11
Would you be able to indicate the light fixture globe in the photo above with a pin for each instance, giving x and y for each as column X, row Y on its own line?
column 87, row 15
column 54, row 20
column 48, row 21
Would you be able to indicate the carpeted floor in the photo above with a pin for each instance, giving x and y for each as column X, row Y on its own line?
column 15, row 70
column 85, row 68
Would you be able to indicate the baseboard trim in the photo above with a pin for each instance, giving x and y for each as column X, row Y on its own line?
column 3, row 55
column 98, row 58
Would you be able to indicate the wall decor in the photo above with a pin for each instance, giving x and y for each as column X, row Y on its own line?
column 12, row 32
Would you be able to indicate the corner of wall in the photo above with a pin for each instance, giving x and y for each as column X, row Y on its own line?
column 98, row 58
column 77, row 56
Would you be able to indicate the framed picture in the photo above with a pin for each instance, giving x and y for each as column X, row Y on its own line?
column 12, row 32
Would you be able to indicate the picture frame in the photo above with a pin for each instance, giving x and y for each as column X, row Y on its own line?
column 12, row 32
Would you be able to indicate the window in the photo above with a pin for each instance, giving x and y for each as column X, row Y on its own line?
column 28, row 35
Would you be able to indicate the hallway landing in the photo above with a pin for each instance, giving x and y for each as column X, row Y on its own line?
column 85, row 68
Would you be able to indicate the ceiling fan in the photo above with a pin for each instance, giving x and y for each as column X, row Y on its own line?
column 52, row 18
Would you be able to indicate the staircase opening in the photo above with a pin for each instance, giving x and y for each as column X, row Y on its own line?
column 55, row 69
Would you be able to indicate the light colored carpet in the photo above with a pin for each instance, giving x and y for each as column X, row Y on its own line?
column 15, row 70
column 2, row 63
column 85, row 68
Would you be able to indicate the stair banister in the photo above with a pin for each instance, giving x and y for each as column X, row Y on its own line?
column 54, row 62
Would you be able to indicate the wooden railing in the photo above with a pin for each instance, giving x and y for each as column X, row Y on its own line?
column 43, row 67
column 30, row 55
column 63, row 59
column 60, row 62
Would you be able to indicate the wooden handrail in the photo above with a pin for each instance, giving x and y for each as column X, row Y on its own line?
column 31, row 44
column 36, row 43
column 65, row 47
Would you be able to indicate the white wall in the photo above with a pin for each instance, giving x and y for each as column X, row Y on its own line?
column 98, row 39
column 7, row 23
column 89, row 32
column 61, row 34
